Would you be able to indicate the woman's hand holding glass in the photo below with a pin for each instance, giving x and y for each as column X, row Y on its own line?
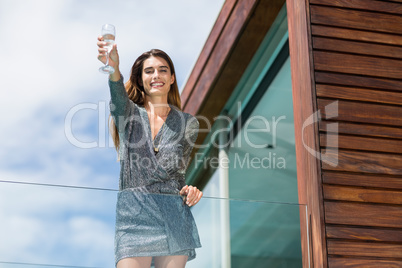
column 192, row 195
column 113, row 56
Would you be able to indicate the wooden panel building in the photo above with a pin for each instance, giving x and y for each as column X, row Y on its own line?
column 346, row 66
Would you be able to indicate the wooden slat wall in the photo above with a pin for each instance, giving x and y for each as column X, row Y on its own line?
column 357, row 59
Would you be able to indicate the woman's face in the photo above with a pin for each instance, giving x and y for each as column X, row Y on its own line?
column 156, row 76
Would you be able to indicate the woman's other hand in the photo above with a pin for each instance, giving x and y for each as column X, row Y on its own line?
column 193, row 195
column 113, row 57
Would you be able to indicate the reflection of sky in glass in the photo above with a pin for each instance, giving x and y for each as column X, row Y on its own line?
column 49, row 67
column 267, row 173
column 262, row 233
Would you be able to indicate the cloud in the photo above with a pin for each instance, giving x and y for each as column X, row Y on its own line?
column 50, row 52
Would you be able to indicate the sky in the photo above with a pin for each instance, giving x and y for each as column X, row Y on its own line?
column 54, row 111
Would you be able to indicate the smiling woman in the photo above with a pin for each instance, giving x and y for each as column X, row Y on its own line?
column 154, row 139
column 41, row 152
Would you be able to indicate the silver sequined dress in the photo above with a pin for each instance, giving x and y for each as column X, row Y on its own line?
column 151, row 218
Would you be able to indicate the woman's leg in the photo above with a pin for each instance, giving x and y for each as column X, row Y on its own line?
column 137, row 262
column 171, row 261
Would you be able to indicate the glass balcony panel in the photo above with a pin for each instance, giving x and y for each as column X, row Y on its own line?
column 56, row 225
column 262, row 234
column 44, row 226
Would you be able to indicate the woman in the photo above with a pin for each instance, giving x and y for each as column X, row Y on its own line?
column 154, row 139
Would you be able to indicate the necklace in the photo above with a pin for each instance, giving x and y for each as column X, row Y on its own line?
column 156, row 148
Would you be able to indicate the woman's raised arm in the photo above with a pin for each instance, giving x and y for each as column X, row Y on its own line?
column 119, row 103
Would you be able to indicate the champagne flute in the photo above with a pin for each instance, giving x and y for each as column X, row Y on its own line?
column 108, row 33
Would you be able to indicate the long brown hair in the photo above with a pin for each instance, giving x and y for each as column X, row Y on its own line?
column 135, row 89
